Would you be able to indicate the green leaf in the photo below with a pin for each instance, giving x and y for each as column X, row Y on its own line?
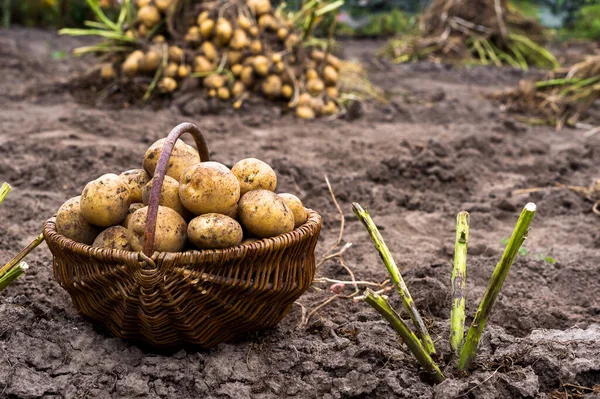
column 58, row 55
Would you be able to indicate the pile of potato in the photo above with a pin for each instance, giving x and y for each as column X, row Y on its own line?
column 232, row 49
column 202, row 205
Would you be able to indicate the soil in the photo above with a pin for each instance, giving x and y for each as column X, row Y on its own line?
column 439, row 147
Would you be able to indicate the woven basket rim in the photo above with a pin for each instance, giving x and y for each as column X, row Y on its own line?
column 312, row 225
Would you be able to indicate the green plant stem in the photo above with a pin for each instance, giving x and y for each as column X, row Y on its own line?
column 517, row 238
column 6, row 12
column 459, row 276
column 392, row 268
column 14, row 273
column 4, row 190
column 11, row 263
column 410, row 339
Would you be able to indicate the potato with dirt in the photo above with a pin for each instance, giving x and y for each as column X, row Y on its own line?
column 132, row 208
column 264, row 214
column 70, row 223
column 136, row 179
column 170, row 234
column 208, row 187
column 297, row 208
column 115, row 237
column 254, row 174
column 105, row 201
column 214, row 231
column 182, row 156
column 169, row 195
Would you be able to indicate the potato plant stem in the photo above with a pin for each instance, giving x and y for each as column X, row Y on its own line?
column 517, row 238
column 392, row 268
column 4, row 190
column 459, row 275
column 410, row 339
column 14, row 273
column 14, row 261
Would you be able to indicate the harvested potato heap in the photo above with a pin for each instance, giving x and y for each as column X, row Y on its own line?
column 202, row 204
column 229, row 49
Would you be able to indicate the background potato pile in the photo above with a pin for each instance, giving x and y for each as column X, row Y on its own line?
column 203, row 205
column 231, row 49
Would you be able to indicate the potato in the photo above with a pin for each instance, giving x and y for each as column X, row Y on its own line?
column 253, row 31
column 171, row 70
column 255, row 47
column 239, row 40
column 136, row 179
column 311, row 73
column 259, row 7
column 329, row 108
column 305, row 112
column 132, row 208
column 332, row 92
column 107, row 72
column 202, row 17
column 287, row 91
column 150, row 62
column 330, row 75
column 182, row 156
column 115, row 237
column 282, row 34
column 206, row 28
column 209, row 50
column 162, row 5
column 237, row 89
column 132, row 62
column 264, row 214
column 105, row 201
column 223, row 31
column 158, row 39
column 294, row 203
column 315, row 86
column 176, row 54
column 261, row 65
column 244, row 22
column 169, row 195
column 232, row 213
column 234, row 58
column 170, row 233
column 247, row 76
column 202, row 64
column 192, row 35
column 249, row 240
column 214, row 81
column 167, row 85
column 183, row 71
column 254, row 174
column 148, row 15
column 208, row 187
column 70, row 223
column 236, row 70
column 223, row 93
column 267, row 22
column 214, row 231
column 271, row 86
column 304, row 99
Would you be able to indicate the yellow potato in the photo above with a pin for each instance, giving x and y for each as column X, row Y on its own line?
column 105, row 201
column 287, row 91
column 150, row 61
column 234, row 58
column 247, row 76
column 132, row 208
column 214, row 231
column 264, row 214
column 167, row 85
column 115, row 237
column 244, row 22
column 169, row 195
column 209, row 50
column 208, row 187
column 330, row 75
column 271, row 86
column 223, row 31
column 202, row 64
column 148, row 15
column 132, row 63
column 249, row 240
column 202, row 17
column 171, row 230
column 261, row 65
column 259, row 7
column 206, row 28
column 297, row 208
column 254, row 174
column 239, row 40
column 175, row 54
column 107, row 72
column 236, row 70
column 163, row 4
column 171, row 70
column 329, row 108
column 70, row 223
column 183, row 71
column 193, row 35
column 136, row 179
column 237, row 89
column 311, row 74
column 214, row 81
column 305, row 112
column 332, row 92
column 223, row 93
column 232, row 213
column 182, row 156
column 315, row 86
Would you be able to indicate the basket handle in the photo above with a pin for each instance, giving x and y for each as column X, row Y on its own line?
column 159, row 176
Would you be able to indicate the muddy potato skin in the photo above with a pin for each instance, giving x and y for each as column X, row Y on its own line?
column 264, row 214
column 105, row 201
column 182, row 157
column 132, row 208
column 254, row 174
column 169, row 195
column 170, row 232
column 296, row 207
column 136, row 179
column 115, row 237
column 208, row 187
column 214, row 231
column 70, row 223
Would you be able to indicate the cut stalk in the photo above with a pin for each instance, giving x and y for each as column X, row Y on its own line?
column 19, row 257
column 12, row 275
column 459, row 278
column 4, row 190
column 519, row 235
column 392, row 268
column 410, row 339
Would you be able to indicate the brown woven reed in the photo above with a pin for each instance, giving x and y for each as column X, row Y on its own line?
column 201, row 298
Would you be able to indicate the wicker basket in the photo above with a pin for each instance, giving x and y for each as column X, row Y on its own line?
column 198, row 298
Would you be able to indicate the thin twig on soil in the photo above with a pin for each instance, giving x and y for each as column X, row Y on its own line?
column 484, row 310
column 459, row 278
column 19, row 257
